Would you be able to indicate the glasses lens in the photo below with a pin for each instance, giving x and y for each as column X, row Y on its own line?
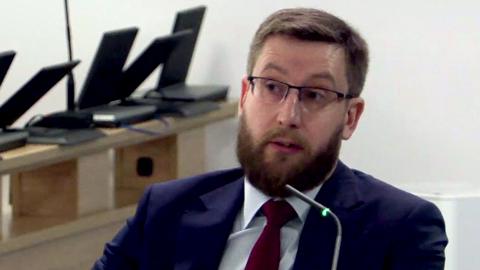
column 315, row 99
column 270, row 91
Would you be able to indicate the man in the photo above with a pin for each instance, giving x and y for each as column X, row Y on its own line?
column 301, row 99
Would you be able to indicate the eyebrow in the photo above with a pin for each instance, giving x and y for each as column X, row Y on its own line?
column 272, row 66
column 322, row 75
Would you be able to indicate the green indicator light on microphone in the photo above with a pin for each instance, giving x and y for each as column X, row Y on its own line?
column 325, row 212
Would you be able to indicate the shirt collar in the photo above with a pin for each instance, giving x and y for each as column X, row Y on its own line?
column 254, row 199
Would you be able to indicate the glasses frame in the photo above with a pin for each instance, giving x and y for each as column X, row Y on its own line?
column 299, row 88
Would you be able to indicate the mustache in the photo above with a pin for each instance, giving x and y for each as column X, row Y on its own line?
column 284, row 133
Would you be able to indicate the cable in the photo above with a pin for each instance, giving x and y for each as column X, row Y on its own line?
column 33, row 120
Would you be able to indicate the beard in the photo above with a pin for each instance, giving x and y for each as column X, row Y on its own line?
column 271, row 176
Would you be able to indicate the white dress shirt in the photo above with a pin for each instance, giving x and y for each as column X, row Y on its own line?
column 249, row 225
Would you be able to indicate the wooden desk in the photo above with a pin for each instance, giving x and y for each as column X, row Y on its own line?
column 52, row 185
column 34, row 156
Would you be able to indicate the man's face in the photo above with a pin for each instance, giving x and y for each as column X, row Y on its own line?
column 284, row 143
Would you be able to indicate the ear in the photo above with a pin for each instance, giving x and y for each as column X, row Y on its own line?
column 352, row 116
column 243, row 95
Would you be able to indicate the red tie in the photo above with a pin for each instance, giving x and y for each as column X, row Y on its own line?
column 265, row 254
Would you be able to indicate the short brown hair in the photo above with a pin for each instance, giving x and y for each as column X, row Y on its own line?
column 316, row 25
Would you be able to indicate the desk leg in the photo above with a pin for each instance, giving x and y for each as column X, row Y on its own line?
column 5, row 208
column 191, row 153
column 95, row 183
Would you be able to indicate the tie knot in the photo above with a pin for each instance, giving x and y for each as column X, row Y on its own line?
column 278, row 212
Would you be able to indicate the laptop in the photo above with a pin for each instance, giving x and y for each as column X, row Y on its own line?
column 9, row 138
column 118, row 111
column 61, row 136
column 157, row 53
column 100, row 86
column 6, row 59
column 24, row 99
column 171, row 85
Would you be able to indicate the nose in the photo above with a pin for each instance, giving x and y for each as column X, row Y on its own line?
column 289, row 114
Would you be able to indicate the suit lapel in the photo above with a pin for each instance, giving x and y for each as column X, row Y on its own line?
column 317, row 240
column 205, row 226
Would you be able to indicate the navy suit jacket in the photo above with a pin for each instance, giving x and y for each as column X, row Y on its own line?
column 185, row 224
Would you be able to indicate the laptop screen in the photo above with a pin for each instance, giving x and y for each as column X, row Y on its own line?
column 176, row 67
column 154, row 55
column 6, row 59
column 106, row 69
column 32, row 91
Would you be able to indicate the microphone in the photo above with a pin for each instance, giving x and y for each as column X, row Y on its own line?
column 324, row 212
column 70, row 79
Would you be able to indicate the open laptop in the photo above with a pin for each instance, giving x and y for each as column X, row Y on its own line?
column 9, row 139
column 156, row 54
column 102, row 79
column 6, row 59
column 118, row 110
column 172, row 85
column 24, row 99
column 99, row 86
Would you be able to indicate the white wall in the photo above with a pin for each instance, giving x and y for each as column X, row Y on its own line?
column 420, row 128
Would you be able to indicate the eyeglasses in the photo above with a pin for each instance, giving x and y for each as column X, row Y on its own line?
column 312, row 98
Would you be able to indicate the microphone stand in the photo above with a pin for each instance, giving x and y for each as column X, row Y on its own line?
column 324, row 212
column 70, row 79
